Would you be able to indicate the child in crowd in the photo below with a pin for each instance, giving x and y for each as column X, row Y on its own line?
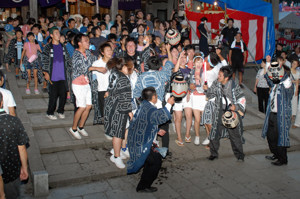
column 30, row 56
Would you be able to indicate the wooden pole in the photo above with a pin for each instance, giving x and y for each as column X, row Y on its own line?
column 97, row 6
column 33, row 9
column 78, row 6
column 67, row 6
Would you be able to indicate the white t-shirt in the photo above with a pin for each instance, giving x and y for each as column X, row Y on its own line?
column 8, row 99
column 288, row 64
column 101, row 78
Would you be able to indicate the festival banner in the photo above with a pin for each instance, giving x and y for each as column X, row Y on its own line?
column 46, row 3
column 13, row 3
column 129, row 4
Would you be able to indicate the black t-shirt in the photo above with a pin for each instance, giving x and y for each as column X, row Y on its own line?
column 131, row 26
column 229, row 34
column 237, row 54
column 12, row 135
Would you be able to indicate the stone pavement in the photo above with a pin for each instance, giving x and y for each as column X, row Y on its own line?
column 68, row 161
column 222, row 178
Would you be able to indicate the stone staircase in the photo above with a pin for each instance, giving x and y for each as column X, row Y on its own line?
column 68, row 161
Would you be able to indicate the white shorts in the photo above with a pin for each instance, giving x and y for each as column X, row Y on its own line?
column 183, row 104
column 83, row 95
column 198, row 102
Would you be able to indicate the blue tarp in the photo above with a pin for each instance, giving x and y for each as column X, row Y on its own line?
column 257, row 7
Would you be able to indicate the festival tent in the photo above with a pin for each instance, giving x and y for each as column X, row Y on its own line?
column 253, row 18
column 289, row 20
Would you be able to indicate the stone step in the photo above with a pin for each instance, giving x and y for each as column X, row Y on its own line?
column 90, row 164
column 40, row 105
column 40, row 121
column 59, row 139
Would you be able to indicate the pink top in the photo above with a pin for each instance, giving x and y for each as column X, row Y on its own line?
column 81, row 80
column 25, row 29
column 31, row 49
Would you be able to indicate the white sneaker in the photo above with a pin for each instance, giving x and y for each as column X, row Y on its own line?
column 197, row 140
column 108, row 137
column 61, row 115
column 118, row 161
column 27, row 91
column 125, row 153
column 206, row 141
column 52, row 117
column 122, row 155
column 82, row 132
column 36, row 92
column 75, row 133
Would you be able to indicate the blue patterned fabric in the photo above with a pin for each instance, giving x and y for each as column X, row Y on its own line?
column 142, row 131
column 284, row 111
column 156, row 79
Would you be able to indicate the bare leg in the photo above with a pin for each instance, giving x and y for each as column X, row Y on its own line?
column 35, row 78
column 233, row 76
column 208, row 129
column 188, row 112
column 77, row 116
column 84, row 115
column 7, row 67
column 17, row 70
column 197, row 115
column 240, row 77
column 29, row 78
column 124, row 142
column 117, row 146
column 178, row 119
column 45, row 84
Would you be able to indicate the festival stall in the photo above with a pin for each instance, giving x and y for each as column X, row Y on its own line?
column 254, row 19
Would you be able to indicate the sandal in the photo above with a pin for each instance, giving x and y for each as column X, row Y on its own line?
column 188, row 139
column 179, row 143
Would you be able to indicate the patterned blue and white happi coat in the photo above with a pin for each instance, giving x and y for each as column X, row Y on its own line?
column 142, row 131
column 284, row 111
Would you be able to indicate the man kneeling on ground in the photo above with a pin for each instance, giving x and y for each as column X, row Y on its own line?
column 141, row 137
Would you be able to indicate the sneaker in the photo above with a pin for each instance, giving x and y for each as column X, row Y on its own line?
column 82, row 132
column 108, row 137
column 52, row 117
column 125, row 153
column 122, row 155
column 61, row 115
column 206, row 141
column 27, row 91
column 75, row 133
column 36, row 91
column 197, row 140
column 118, row 161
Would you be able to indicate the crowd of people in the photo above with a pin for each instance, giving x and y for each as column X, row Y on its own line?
column 124, row 70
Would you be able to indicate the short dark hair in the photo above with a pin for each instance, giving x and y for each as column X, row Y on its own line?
column 148, row 93
column 94, row 29
column 189, row 47
column 230, row 19
column 31, row 21
column 227, row 72
column 112, row 36
column 36, row 26
column 130, row 39
column 214, row 58
column 203, row 19
column 78, row 38
column 113, row 27
column 70, row 20
column 103, row 46
column 154, row 63
column 19, row 31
